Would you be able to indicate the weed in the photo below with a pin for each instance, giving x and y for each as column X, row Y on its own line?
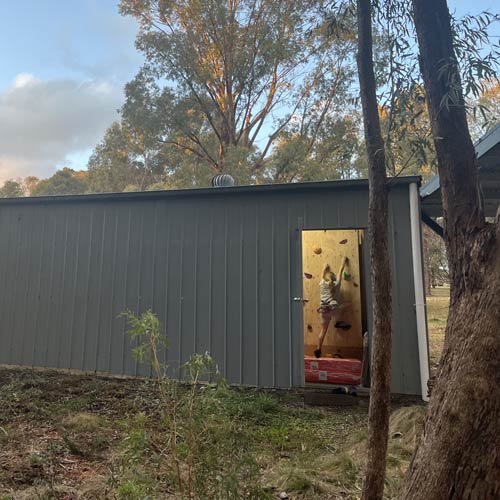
column 137, row 443
column 301, row 484
column 192, row 449
column 131, row 490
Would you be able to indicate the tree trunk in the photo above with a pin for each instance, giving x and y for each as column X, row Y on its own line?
column 378, row 416
column 458, row 456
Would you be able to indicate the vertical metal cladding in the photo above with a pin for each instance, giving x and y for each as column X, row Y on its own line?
column 218, row 267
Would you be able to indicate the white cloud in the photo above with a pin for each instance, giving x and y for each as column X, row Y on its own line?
column 24, row 80
column 44, row 123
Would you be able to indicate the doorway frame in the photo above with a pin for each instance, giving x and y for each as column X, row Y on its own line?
column 297, row 290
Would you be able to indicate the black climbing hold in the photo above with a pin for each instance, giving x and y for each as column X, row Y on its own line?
column 342, row 325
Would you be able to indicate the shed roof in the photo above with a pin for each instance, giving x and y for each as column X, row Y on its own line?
column 233, row 190
column 488, row 155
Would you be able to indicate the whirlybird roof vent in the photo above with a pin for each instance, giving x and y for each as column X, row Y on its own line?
column 223, row 180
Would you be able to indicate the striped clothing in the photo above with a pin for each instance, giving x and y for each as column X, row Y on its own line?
column 329, row 294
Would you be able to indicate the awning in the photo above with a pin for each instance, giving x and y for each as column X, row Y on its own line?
column 488, row 155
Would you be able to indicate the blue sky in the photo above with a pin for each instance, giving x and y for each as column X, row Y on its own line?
column 63, row 67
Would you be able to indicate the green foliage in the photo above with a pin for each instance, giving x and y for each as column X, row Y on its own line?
column 132, row 490
column 137, row 443
column 478, row 59
column 64, row 181
column 196, row 453
column 145, row 331
column 407, row 130
column 335, row 153
column 11, row 189
column 265, row 91
column 124, row 160
column 223, row 83
column 478, row 56
column 15, row 188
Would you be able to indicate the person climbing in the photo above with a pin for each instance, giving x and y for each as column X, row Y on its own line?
column 330, row 305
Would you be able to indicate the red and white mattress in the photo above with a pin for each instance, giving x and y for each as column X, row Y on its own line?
column 340, row 371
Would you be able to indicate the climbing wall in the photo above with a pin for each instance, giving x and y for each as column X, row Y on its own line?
column 330, row 247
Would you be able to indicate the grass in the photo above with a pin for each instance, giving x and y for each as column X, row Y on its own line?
column 437, row 314
column 82, row 437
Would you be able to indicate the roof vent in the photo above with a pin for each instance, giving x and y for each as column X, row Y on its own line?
column 223, row 180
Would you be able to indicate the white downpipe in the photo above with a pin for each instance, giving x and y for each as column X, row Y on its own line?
column 418, row 278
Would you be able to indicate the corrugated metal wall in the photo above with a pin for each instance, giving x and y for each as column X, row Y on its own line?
column 219, row 268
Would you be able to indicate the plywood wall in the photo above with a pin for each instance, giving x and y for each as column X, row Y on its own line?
column 330, row 247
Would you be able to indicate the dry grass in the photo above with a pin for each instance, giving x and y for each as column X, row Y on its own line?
column 339, row 474
column 73, row 437
column 437, row 314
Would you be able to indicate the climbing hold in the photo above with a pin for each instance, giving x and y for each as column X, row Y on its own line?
column 317, row 250
column 308, row 276
column 343, row 242
column 309, row 328
column 342, row 325
column 356, row 285
column 347, row 276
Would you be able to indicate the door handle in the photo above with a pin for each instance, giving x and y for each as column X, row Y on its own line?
column 300, row 299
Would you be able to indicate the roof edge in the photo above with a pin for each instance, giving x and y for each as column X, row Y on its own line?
column 211, row 191
column 487, row 142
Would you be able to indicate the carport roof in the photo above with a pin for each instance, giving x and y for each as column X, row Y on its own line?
column 488, row 155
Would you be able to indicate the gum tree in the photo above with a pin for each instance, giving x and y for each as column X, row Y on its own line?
column 378, row 417
column 458, row 454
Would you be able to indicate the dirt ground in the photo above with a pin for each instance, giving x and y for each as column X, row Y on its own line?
column 74, row 437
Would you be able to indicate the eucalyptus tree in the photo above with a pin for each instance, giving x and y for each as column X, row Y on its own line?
column 457, row 455
column 378, row 207
column 237, row 73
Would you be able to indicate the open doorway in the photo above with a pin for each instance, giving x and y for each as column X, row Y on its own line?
column 337, row 359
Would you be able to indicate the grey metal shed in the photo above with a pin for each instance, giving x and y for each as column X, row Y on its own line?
column 219, row 266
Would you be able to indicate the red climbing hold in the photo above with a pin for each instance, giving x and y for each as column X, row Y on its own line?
column 343, row 242
column 308, row 276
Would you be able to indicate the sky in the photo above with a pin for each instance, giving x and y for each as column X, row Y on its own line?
column 63, row 67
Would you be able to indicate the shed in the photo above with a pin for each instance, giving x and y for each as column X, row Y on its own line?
column 221, row 267
column 488, row 158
